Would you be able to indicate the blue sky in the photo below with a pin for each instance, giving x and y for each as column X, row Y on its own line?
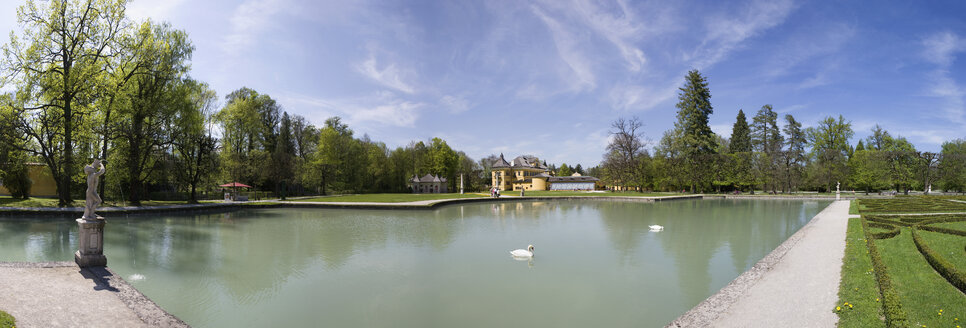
column 548, row 77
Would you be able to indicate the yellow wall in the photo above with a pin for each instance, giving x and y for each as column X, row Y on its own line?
column 510, row 175
column 43, row 182
column 539, row 183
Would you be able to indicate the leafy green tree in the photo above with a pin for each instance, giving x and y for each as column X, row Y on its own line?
column 767, row 141
column 283, row 157
column 696, row 138
column 869, row 170
column 564, row 170
column 56, row 64
column 952, row 165
column 793, row 158
column 830, row 147
column 443, row 160
column 153, row 99
column 194, row 146
column 14, row 174
column 740, row 135
column 579, row 169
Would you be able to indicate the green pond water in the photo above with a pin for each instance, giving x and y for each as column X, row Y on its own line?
column 596, row 263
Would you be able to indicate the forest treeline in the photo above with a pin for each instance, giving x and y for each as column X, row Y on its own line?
column 772, row 154
column 90, row 82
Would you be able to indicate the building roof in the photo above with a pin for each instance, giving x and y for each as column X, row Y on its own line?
column 501, row 162
column 573, row 179
column 528, row 161
column 542, row 175
column 428, row 178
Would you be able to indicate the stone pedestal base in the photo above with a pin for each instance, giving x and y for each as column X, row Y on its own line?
column 90, row 234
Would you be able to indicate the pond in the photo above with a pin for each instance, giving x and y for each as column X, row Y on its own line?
column 596, row 263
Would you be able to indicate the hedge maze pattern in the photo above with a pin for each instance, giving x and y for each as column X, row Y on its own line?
column 878, row 227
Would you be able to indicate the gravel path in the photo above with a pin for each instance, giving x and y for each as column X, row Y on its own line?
column 59, row 294
column 796, row 285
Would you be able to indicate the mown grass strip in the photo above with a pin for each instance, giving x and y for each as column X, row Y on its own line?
column 858, row 287
column 891, row 305
column 7, row 320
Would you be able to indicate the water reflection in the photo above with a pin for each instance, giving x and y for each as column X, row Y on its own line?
column 600, row 264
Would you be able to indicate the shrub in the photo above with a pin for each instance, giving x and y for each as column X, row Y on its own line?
column 893, row 230
column 891, row 307
column 943, row 230
column 955, row 276
column 7, row 320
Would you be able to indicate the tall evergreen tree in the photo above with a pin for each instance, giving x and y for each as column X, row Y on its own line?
column 697, row 140
column 740, row 135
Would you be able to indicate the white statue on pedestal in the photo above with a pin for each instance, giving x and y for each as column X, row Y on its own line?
column 93, row 200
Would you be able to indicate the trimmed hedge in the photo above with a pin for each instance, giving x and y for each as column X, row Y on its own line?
column 955, row 276
column 887, row 221
column 893, row 230
column 891, row 306
column 943, row 230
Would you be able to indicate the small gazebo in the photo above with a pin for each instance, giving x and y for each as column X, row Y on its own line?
column 234, row 190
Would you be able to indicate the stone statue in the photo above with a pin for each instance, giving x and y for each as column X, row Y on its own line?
column 837, row 186
column 93, row 200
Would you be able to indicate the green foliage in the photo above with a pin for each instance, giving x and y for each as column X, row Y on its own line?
column 696, row 140
column 912, row 204
column 830, row 149
column 740, row 135
column 952, row 166
column 869, row 170
column 7, row 320
column 564, row 170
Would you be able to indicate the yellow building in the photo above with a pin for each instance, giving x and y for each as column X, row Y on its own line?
column 43, row 184
column 522, row 173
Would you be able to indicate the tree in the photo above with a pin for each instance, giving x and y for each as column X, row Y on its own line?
column 283, row 157
column 767, row 140
column 793, row 158
column 56, row 65
column 14, row 173
column 443, row 161
column 153, row 99
column 564, row 170
column 697, row 139
column 624, row 152
column 869, row 170
column 579, row 169
column 830, row 146
column 952, row 165
column 194, row 145
column 740, row 135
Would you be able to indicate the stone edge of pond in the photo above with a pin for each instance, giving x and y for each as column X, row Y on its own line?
column 705, row 313
column 143, row 307
column 419, row 205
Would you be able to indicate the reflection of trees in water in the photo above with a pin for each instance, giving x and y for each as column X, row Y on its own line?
column 37, row 239
column 695, row 231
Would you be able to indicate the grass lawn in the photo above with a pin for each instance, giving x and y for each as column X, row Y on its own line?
column 390, row 198
column 7, row 320
column 854, row 207
column 858, row 287
column 922, row 291
column 950, row 247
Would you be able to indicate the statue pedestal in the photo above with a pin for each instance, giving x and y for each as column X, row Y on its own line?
column 838, row 196
column 90, row 234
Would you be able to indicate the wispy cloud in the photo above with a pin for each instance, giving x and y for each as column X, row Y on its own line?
column 248, row 21
column 382, row 108
column 389, row 76
column 941, row 49
column 726, row 32
column 568, row 47
column 633, row 97
column 454, row 104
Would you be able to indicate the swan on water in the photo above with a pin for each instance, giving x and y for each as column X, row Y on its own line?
column 523, row 252
column 656, row 227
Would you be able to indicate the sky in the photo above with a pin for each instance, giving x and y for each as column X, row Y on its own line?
column 548, row 78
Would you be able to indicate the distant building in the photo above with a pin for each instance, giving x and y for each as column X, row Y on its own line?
column 42, row 182
column 528, row 173
column 574, row 182
column 428, row 184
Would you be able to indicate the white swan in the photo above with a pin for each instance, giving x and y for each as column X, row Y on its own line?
column 656, row 227
column 523, row 252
